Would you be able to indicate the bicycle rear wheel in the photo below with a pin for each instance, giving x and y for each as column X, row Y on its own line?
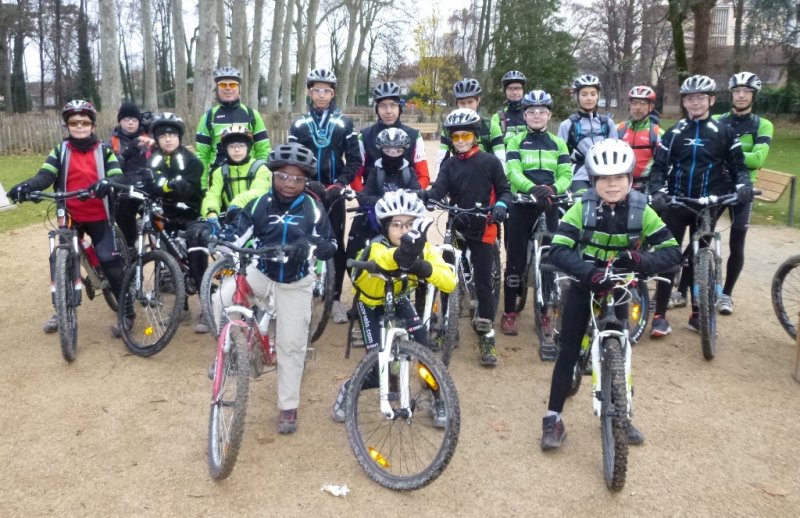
column 323, row 299
column 546, row 311
column 614, row 415
column 125, row 260
column 210, row 293
column 526, row 280
column 786, row 294
column 497, row 277
column 408, row 451
column 152, row 311
column 66, row 303
column 705, row 284
column 228, row 403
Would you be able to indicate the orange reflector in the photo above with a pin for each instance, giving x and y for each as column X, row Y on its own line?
column 428, row 377
column 378, row 458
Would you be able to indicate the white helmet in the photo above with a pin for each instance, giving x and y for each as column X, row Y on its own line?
column 699, row 84
column 610, row 157
column 748, row 79
column 399, row 203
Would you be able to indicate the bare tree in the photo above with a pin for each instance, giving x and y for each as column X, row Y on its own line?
column 204, row 58
column 278, row 16
column 179, row 34
column 111, row 87
column 286, row 59
column 676, row 15
column 701, row 9
column 150, row 100
column 255, row 55
column 353, row 13
column 223, row 58
column 5, row 62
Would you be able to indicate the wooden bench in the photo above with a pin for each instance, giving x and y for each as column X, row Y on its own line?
column 429, row 129
column 772, row 185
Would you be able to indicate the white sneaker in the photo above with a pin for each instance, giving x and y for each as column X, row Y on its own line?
column 339, row 314
column 725, row 305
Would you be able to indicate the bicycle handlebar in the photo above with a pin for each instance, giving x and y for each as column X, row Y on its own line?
column 565, row 199
column 711, row 200
column 82, row 194
column 478, row 210
column 373, row 268
column 279, row 251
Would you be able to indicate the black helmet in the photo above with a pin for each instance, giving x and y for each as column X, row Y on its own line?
column 293, row 154
column 386, row 91
column 463, row 119
column 537, row 98
column 167, row 120
column 321, row 75
column 392, row 137
column 699, row 85
column 513, row 76
column 79, row 106
column 227, row 73
column 466, row 88
column 587, row 80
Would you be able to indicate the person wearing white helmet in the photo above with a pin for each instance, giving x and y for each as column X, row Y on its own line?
column 697, row 157
column 610, row 222
column 402, row 244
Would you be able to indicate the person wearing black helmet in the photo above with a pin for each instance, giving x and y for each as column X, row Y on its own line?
column 286, row 216
column 81, row 161
column 697, row 157
column 585, row 127
column 230, row 110
column 509, row 120
column 389, row 107
column 334, row 142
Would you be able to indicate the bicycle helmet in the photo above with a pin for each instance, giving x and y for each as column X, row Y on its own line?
column 642, row 92
column 236, row 133
column 321, row 75
column 393, row 137
column 167, row 120
column 386, row 91
column 748, row 79
column 513, row 76
column 698, row 85
column 293, row 154
column 81, row 107
column 227, row 73
column 610, row 157
column 466, row 88
column 537, row 98
column 463, row 119
column 399, row 203
column 586, row 80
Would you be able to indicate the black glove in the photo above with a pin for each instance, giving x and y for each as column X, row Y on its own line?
column 542, row 194
column 228, row 233
column 232, row 214
column 499, row 212
column 199, row 233
column 744, row 193
column 412, row 244
column 20, row 192
column 597, row 281
column 421, row 268
column 298, row 251
column 630, row 260
column 332, row 192
column 101, row 189
column 422, row 194
column 316, row 188
column 659, row 201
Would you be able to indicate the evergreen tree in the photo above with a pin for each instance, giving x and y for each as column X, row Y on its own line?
column 86, row 85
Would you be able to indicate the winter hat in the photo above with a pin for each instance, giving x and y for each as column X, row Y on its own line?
column 129, row 109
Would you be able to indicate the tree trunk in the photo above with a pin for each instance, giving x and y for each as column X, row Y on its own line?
column 150, row 69
column 239, row 55
column 286, row 59
column 483, row 36
column 179, row 48
column 366, row 20
column 738, row 58
column 57, row 63
column 676, row 15
column 204, row 58
column 5, row 64
column 304, row 63
column 40, row 39
column 273, row 73
column 223, row 58
column 255, row 55
column 111, row 87
column 354, row 13
column 702, row 26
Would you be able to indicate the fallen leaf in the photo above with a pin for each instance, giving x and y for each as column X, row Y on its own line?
column 774, row 491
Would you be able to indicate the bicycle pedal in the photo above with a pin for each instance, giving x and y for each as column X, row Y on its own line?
column 548, row 352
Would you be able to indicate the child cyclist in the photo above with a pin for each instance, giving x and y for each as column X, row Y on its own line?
column 473, row 176
column 286, row 216
column 611, row 221
column 81, row 161
column 401, row 245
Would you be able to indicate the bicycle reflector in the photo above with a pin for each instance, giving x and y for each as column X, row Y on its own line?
column 378, row 458
column 428, row 377
column 636, row 312
column 148, row 330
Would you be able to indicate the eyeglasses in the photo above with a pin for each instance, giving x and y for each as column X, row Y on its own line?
column 289, row 178
column 228, row 84
column 639, row 102
column 401, row 225
column 391, row 105
column 514, row 88
column 462, row 136
column 237, row 145
column 79, row 123
column 537, row 111
column 322, row 91
column 696, row 98
column 393, row 151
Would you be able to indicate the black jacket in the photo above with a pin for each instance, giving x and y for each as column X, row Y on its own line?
column 184, row 164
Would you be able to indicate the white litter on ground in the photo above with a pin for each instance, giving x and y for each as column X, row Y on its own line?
column 335, row 490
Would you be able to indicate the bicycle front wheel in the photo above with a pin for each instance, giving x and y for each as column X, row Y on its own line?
column 786, row 294
column 638, row 311
column 322, row 301
column 154, row 296
column 497, row 277
column 705, row 283
column 66, row 303
column 210, row 290
column 525, row 280
column 228, row 402
column 614, row 415
column 546, row 310
column 407, row 451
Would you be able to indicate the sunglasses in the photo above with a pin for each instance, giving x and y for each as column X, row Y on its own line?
column 322, row 91
column 462, row 136
column 228, row 84
column 79, row 124
column 289, row 178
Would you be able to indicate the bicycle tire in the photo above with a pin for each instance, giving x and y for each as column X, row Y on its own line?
column 451, row 332
column 213, row 277
column 322, row 302
column 383, row 447
column 159, row 309
column 786, row 294
column 706, row 289
column 228, row 404
column 65, row 304
column 125, row 260
column 497, row 278
column 525, row 281
column 545, row 312
column 638, row 311
column 614, row 420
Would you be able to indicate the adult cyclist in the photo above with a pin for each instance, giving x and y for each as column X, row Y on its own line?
column 640, row 132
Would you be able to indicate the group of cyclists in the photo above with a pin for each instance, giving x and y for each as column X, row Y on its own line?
column 238, row 186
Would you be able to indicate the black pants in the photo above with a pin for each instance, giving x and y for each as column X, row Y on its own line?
column 336, row 217
column 740, row 221
column 361, row 232
column 482, row 260
column 125, row 214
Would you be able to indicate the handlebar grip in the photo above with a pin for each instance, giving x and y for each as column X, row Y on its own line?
column 370, row 266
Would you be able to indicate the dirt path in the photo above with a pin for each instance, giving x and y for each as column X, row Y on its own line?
column 113, row 434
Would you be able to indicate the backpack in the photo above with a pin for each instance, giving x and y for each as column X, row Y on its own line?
column 576, row 131
column 226, row 175
column 381, row 176
column 637, row 203
column 654, row 138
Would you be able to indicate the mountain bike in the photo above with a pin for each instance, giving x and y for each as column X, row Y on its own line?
column 245, row 349
column 786, row 294
column 391, row 431
column 68, row 252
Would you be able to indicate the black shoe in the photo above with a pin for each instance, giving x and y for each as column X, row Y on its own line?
column 488, row 351
column 553, row 433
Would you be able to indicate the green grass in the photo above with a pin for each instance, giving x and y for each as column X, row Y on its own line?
column 15, row 169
